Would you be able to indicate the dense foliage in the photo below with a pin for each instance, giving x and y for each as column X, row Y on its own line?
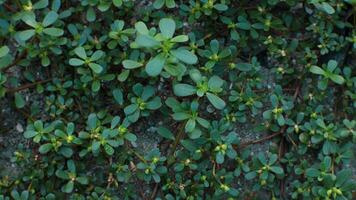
column 92, row 77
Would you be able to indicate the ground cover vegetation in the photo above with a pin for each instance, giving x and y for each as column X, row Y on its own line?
column 91, row 78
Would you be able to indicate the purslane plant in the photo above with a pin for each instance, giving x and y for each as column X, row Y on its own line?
column 164, row 44
column 167, row 99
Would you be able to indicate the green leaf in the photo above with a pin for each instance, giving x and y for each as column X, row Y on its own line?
column 131, row 64
column 155, row 65
column 244, row 25
column 130, row 109
column 158, row 4
column 130, row 137
column 96, row 68
column 56, row 32
column 27, row 34
column 91, row 16
column 117, row 3
column 19, row 100
column 337, row 79
column 182, row 90
column 219, row 158
column 40, row 4
column 50, row 18
column 95, row 86
column 166, row 133
column 180, row 38
column 154, row 104
column 195, row 75
column 82, row 180
column 4, row 50
column 245, row 67
column 66, row 152
column 189, row 145
column 312, row 172
column 118, row 96
column 76, row 62
column 317, row 70
column 343, row 176
column 167, row 27
column 328, row 8
column 29, row 19
column 92, row 121
column 68, row 188
column 332, row 64
column 146, row 41
column 220, row 7
column 185, row 56
column 141, row 28
column 80, row 52
column 277, row 170
column 30, row 134
column 215, row 83
column 216, row 101
column 15, row 194
column 45, row 148
column 97, row 55
column 108, row 149
column 250, row 175
column 214, row 45
column 170, row 3
column 95, row 146
column 190, row 125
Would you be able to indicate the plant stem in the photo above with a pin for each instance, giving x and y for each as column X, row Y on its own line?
column 12, row 90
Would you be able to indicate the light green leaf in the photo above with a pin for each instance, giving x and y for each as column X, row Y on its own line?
column 185, row 56
column 118, row 96
column 277, row 170
column 26, row 34
column 96, row 68
column 245, row 67
column 45, row 148
column 50, row 18
column 166, row 133
column 337, row 79
column 30, row 19
column 155, row 65
column 76, row 62
column 216, row 101
column 328, row 8
column 141, row 28
column 19, row 100
column 182, row 89
column 167, row 27
column 91, row 16
column 146, row 41
column 4, row 50
column 317, row 70
column 180, row 38
column 158, row 4
column 68, row 188
column 97, row 55
column 80, row 52
column 117, row 3
column 56, row 32
column 170, row 3
column 131, row 64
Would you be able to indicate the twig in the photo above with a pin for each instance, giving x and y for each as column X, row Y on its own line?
column 243, row 145
column 17, row 60
column 177, row 139
column 9, row 8
column 154, row 193
column 27, row 86
column 138, row 156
